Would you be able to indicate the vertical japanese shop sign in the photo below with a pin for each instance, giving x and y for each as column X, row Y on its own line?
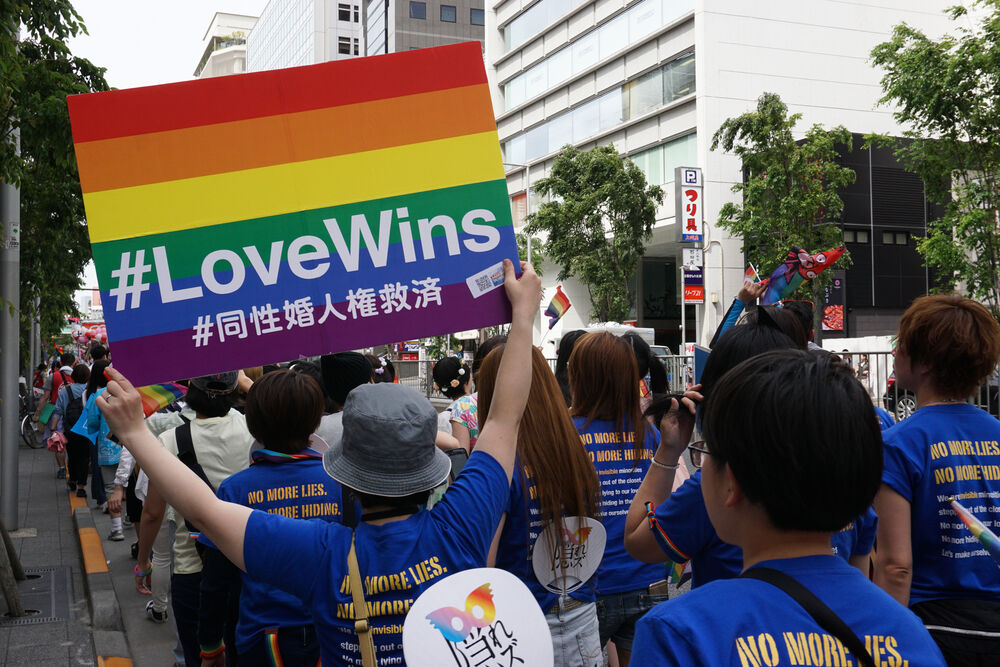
column 694, row 287
column 688, row 199
column 833, row 303
column 261, row 217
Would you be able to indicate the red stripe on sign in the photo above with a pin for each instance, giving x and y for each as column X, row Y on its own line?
column 122, row 113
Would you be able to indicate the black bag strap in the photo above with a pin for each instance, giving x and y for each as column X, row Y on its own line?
column 822, row 614
column 186, row 453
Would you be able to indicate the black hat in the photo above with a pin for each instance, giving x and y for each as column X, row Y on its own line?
column 342, row 372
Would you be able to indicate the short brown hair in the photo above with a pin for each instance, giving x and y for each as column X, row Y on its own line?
column 957, row 339
column 283, row 410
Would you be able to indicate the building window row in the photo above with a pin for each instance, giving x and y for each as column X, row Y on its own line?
column 348, row 46
column 855, row 236
column 348, row 12
column 534, row 19
column 658, row 163
column 895, row 238
column 650, row 91
column 449, row 13
column 628, row 28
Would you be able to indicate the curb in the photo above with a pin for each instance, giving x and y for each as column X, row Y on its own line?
column 110, row 644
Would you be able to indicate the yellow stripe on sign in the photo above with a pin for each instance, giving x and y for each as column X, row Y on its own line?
column 299, row 186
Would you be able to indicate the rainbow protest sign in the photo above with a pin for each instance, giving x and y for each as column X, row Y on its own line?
column 261, row 217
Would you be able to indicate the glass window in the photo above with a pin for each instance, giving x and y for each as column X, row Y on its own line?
column 477, row 17
column 418, row 10
column 678, row 78
column 888, row 238
column 658, row 163
column 344, row 45
column 849, row 236
column 344, row 12
column 862, row 236
column 514, row 151
column 626, row 29
column 448, row 13
column 643, row 94
column 560, row 66
column 902, row 238
column 613, row 35
column 585, row 52
column 357, row 14
column 356, row 46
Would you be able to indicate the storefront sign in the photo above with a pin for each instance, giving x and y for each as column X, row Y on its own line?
column 689, row 204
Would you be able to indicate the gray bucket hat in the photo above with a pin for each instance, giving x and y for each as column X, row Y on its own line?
column 387, row 448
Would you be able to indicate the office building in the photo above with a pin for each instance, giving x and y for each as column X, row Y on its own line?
column 403, row 25
column 656, row 78
column 290, row 33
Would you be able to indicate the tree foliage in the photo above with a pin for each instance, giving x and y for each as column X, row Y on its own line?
column 947, row 93
column 37, row 72
column 597, row 221
column 789, row 192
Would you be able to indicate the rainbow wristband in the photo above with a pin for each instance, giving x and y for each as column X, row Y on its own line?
column 143, row 574
column 210, row 652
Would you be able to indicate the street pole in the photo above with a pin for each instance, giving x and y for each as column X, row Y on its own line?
column 10, row 259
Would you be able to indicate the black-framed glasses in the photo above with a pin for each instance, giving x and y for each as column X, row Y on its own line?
column 698, row 450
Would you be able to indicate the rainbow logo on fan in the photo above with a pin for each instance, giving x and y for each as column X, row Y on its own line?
column 579, row 537
column 456, row 624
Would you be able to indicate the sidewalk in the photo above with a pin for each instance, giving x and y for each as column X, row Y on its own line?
column 48, row 542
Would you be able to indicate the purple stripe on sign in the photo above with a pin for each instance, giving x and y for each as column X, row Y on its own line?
column 173, row 356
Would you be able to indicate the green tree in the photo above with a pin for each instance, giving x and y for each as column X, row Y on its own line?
column 789, row 191
column 947, row 93
column 597, row 221
column 37, row 73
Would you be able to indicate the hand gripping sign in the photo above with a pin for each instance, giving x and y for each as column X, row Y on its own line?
column 260, row 217
column 564, row 567
column 484, row 617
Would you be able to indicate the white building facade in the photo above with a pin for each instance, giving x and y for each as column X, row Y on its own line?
column 224, row 45
column 290, row 33
column 656, row 78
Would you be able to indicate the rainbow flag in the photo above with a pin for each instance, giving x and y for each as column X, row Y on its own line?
column 155, row 397
column 253, row 218
column 986, row 536
column 557, row 306
column 750, row 275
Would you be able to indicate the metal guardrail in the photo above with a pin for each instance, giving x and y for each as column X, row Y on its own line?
column 873, row 369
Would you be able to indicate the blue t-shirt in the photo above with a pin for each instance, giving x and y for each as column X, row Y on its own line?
column 299, row 489
column 398, row 560
column 857, row 538
column 517, row 540
column 682, row 529
column 619, row 480
column 942, row 451
column 743, row 622
column 885, row 420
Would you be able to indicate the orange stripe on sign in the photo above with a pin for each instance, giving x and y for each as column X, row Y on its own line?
column 94, row 559
column 262, row 142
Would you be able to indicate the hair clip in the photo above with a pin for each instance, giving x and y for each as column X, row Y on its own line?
column 379, row 371
column 461, row 371
column 454, row 383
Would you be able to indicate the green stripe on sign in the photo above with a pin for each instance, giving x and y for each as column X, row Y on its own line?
column 188, row 248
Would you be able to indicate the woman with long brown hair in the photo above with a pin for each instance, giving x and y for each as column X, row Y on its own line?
column 604, row 380
column 553, row 478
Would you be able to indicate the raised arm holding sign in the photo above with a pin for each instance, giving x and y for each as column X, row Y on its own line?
column 388, row 472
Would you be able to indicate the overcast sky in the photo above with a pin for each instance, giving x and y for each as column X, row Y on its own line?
column 143, row 43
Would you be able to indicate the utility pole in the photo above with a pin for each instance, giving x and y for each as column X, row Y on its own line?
column 10, row 288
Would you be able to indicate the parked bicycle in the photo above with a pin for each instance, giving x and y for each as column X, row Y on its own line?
column 26, row 417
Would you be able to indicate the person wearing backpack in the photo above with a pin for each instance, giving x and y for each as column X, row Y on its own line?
column 69, row 407
column 215, row 444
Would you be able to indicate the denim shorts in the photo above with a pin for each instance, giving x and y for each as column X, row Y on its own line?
column 574, row 636
column 618, row 612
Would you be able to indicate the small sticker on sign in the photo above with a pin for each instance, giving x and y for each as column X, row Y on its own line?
column 486, row 280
